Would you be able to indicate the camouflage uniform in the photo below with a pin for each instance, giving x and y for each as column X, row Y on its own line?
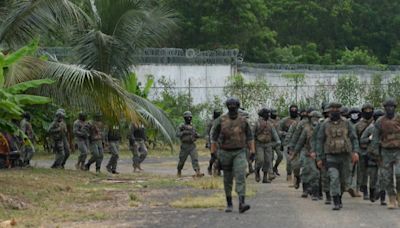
column 266, row 138
column 283, row 131
column 233, row 134
column 114, row 137
column 96, row 137
column 81, row 133
column 137, row 139
column 188, row 135
column 387, row 136
column 276, row 149
column 213, row 166
column 336, row 143
column 28, row 148
column 58, row 133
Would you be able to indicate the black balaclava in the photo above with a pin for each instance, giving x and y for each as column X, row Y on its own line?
column 188, row 119
column 273, row 114
column 82, row 116
column 367, row 115
column 390, row 107
column 233, row 106
column 293, row 113
column 264, row 113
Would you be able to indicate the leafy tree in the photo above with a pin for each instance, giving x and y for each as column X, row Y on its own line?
column 376, row 91
column 357, row 57
column 393, row 89
column 348, row 90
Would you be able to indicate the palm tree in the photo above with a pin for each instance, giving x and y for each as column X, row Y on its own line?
column 108, row 32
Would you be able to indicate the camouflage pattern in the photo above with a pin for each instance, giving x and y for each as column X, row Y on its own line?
column 188, row 135
column 58, row 134
column 96, row 136
column 28, row 148
column 362, row 171
column 114, row 137
column 81, row 134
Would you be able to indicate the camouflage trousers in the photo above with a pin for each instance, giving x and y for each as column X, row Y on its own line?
column 324, row 179
column 83, row 147
column 139, row 152
column 27, row 153
column 114, row 150
column 59, row 151
column 309, row 171
column 390, row 168
column 186, row 150
column 362, row 169
column 379, row 179
column 97, row 154
column 263, row 156
column 233, row 164
column 338, row 166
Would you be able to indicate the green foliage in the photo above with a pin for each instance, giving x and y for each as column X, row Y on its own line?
column 357, row 57
column 376, row 92
column 394, row 88
column 251, row 94
column 348, row 90
column 132, row 85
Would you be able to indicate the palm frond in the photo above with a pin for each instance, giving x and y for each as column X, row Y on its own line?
column 28, row 19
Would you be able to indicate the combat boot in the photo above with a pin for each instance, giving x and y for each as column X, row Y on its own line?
column 209, row 170
column 87, row 167
column 297, row 183
column 336, row 203
column 198, row 173
column 275, row 171
column 328, row 199
column 340, row 201
column 179, row 173
column 265, row 178
column 242, row 205
column 364, row 190
column 229, row 205
column 305, row 191
column 315, row 194
column 392, row 202
column 372, row 194
column 382, row 196
column 271, row 176
column 98, row 170
column 257, row 174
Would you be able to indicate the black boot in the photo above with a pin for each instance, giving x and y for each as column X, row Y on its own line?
column 229, row 205
column 275, row 170
column 372, row 194
column 209, row 169
column 305, row 191
column 328, row 199
column 336, row 203
column 257, row 174
column 315, row 194
column 265, row 178
column 382, row 198
column 364, row 190
column 340, row 201
column 242, row 205
column 297, row 184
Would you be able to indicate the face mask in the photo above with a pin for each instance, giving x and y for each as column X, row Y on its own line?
column 354, row 116
column 390, row 110
column 335, row 116
column 367, row 115
column 233, row 111
column 265, row 117
column 273, row 116
column 188, row 120
column 293, row 114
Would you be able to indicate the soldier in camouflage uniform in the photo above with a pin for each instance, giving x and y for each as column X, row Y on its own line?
column 114, row 137
column 373, row 162
column 58, row 133
column 283, row 129
column 266, row 138
column 231, row 135
column 309, row 173
column 336, row 146
column 354, row 115
column 387, row 137
column 367, row 112
column 277, row 149
column 188, row 136
column 81, row 134
column 28, row 148
column 137, row 145
column 96, row 136
column 214, row 158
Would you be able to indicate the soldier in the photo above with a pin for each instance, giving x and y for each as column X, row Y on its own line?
column 266, row 137
column 188, row 135
column 137, row 138
column 336, row 146
column 113, row 136
column 81, row 134
column 344, row 111
column 387, row 137
column 310, row 172
column 233, row 134
column 283, row 129
column 373, row 162
column 367, row 112
column 28, row 148
column 277, row 149
column 96, row 136
column 58, row 133
column 214, row 159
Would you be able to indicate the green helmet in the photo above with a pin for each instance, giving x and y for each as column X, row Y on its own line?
column 187, row 114
column 60, row 112
column 315, row 114
column 390, row 102
column 366, row 106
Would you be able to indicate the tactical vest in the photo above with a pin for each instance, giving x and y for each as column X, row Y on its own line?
column 288, row 122
column 337, row 139
column 360, row 128
column 233, row 133
column 96, row 131
column 390, row 137
column 264, row 131
column 274, row 122
column 187, row 138
column 309, row 132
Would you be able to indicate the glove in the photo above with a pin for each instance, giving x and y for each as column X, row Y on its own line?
column 252, row 157
column 354, row 158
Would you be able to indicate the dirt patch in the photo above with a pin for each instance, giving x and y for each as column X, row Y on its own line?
column 13, row 203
